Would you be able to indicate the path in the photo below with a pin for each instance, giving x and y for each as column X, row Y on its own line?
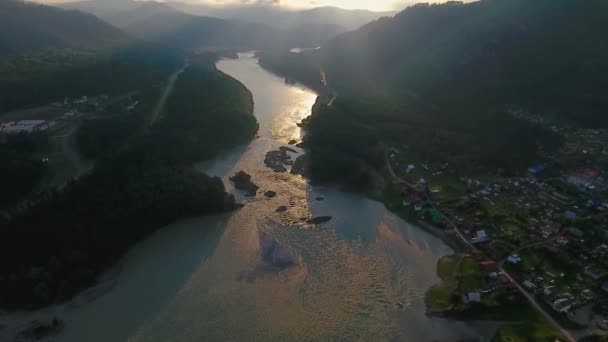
column 160, row 106
column 72, row 154
column 332, row 93
column 472, row 247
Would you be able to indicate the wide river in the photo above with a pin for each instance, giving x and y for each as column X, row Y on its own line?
column 361, row 276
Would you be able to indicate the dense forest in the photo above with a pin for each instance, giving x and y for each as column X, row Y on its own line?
column 22, row 168
column 441, row 78
column 200, row 25
column 110, row 130
column 60, row 245
column 27, row 27
column 54, row 75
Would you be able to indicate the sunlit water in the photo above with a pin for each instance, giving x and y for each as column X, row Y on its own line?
column 362, row 276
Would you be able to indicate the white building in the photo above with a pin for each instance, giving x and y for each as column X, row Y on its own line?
column 25, row 126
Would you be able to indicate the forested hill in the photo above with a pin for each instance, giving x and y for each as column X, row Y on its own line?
column 550, row 55
column 443, row 79
column 192, row 24
column 162, row 24
column 26, row 27
column 143, row 179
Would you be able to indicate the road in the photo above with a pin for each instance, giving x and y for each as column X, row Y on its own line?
column 160, row 106
column 72, row 155
column 332, row 93
column 472, row 247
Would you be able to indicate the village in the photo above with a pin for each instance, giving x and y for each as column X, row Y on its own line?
column 47, row 116
column 544, row 230
column 49, row 136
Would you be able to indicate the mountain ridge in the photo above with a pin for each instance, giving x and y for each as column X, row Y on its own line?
column 28, row 27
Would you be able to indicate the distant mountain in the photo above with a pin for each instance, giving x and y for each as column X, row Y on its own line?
column 274, row 25
column 165, row 25
column 104, row 9
column 131, row 12
column 28, row 27
column 306, row 28
column 279, row 17
column 548, row 55
column 444, row 79
column 346, row 19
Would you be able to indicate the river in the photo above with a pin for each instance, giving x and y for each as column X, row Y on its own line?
column 361, row 276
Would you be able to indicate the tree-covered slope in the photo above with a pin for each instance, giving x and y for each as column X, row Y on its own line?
column 64, row 240
column 549, row 55
column 443, row 79
column 27, row 27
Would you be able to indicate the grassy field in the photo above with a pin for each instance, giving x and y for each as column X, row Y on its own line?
column 524, row 332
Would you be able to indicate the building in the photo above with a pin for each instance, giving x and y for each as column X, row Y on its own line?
column 82, row 100
column 514, row 259
column 529, row 285
column 25, row 126
column 473, row 297
column 480, row 237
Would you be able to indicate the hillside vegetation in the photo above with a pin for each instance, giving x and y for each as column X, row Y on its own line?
column 251, row 25
column 27, row 27
column 443, row 78
column 61, row 243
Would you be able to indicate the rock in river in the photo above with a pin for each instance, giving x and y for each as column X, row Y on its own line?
column 242, row 181
column 299, row 166
column 277, row 160
column 274, row 253
column 319, row 220
column 287, row 149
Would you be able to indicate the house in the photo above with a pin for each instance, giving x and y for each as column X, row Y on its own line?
column 436, row 215
column 588, row 294
column 473, row 297
column 69, row 114
column 514, row 259
column 569, row 214
column 489, row 265
column 25, row 126
column 550, row 291
column 594, row 272
column 536, row 169
column 480, row 237
column 529, row 285
column 577, row 233
column 563, row 304
column 132, row 106
column 82, row 100
column 591, row 173
column 578, row 180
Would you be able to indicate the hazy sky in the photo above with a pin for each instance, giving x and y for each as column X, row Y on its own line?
column 377, row 5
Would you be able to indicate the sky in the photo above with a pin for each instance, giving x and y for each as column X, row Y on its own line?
column 374, row 5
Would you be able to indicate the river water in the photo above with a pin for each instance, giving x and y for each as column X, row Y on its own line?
column 361, row 276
